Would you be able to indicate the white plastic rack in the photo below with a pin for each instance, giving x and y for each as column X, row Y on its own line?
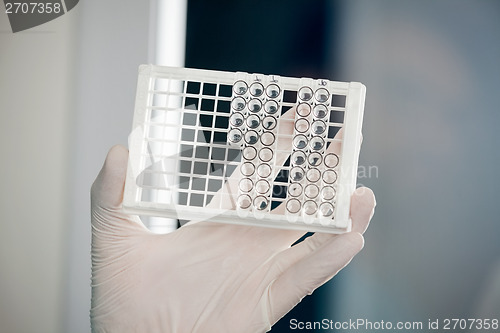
column 244, row 148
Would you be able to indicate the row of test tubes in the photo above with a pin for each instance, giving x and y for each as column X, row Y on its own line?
column 312, row 177
column 253, row 128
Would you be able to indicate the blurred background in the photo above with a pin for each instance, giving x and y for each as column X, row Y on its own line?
column 430, row 150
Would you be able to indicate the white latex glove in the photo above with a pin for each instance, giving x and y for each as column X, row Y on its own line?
column 207, row 277
column 204, row 277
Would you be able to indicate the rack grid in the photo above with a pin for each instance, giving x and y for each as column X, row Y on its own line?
column 244, row 148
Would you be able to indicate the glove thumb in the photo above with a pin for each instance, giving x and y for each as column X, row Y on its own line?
column 107, row 194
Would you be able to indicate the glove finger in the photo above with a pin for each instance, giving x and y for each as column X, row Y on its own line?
column 311, row 271
column 224, row 199
column 288, row 237
column 362, row 208
column 107, row 192
column 291, row 255
column 107, row 189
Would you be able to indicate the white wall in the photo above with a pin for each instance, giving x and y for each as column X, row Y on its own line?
column 67, row 92
column 36, row 80
column 112, row 40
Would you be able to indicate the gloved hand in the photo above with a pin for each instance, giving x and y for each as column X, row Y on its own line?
column 207, row 277
column 204, row 277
